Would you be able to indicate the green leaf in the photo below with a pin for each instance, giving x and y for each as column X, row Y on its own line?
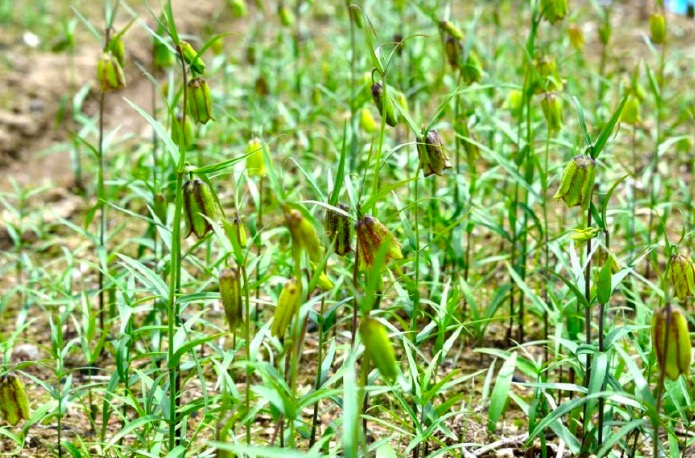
column 500, row 394
column 161, row 131
column 607, row 130
column 335, row 194
column 582, row 121
column 146, row 276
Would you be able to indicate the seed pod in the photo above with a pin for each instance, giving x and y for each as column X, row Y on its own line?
column 255, row 162
column 198, row 204
column 189, row 55
column 14, row 404
column 554, row 10
column 367, row 121
column 384, row 103
column 230, row 296
column 371, row 234
column 118, row 50
column 160, row 207
column 682, row 276
column 287, row 307
column 454, row 52
column 337, row 228
column 110, row 73
column 577, row 182
column 304, row 234
column 671, row 343
column 239, row 8
column 449, row 28
column 378, row 348
column 432, row 154
column 552, row 110
column 200, row 101
column 631, row 112
column 576, row 36
column 657, row 28
column 472, row 71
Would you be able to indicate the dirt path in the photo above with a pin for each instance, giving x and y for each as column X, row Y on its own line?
column 38, row 83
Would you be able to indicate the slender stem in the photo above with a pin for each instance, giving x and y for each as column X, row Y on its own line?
column 601, row 320
column 546, row 243
column 102, row 208
column 587, row 308
column 355, row 307
column 660, row 387
column 317, row 385
column 416, row 291
column 174, row 282
column 247, row 344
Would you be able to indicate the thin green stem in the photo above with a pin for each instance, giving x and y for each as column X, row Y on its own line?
column 174, row 277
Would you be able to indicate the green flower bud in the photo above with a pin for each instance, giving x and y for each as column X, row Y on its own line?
column 110, row 73
column 605, row 30
column 337, row 228
column 548, row 77
column 682, row 276
column 371, row 234
column 367, row 121
column 552, row 110
column 432, row 154
column 187, row 129
column 235, row 231
column 576, row 36
column 288, row 306
column 239, row 8
column 255, row 161
column 162, row 56
column 230, row 296
column 286, row 16
column 657, row 28
column 472, row 71
column 384, row 103
column 118, row 50
column 449, row 28
column 198, row 204
column 631, row 112
column 515, row 101
column 14, row 404
column 324, row 282
column 454, row 52
column 160, row 207
column 577, row 182
column 189, row 55
column 378, row 348
column 584, row 235
column 671, row 341
column 200, row 101
column 554, row 10
column 304, row 234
